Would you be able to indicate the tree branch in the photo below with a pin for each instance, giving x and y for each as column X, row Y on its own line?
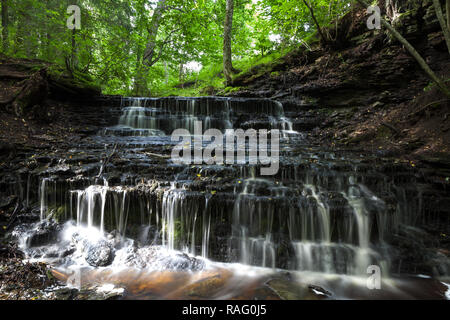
column 319, row 29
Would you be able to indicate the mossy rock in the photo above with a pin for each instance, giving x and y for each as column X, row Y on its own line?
column 229, row 90
column 60, row 214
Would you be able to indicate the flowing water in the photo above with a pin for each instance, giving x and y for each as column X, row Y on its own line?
column 141, row 221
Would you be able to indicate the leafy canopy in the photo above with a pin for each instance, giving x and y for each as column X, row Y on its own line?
column 114, row 35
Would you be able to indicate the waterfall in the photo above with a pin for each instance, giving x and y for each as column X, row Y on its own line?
column 90, row 207
column 321, row 212
column 311, row 228
column 43, row 198
column 206, row 229
column 153, row 117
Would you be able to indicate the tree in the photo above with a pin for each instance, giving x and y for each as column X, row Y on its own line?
column 5, row 25
column 444, row 26
column 149, row 54
column 319, row 29
column 227, row 33
column 447, row 9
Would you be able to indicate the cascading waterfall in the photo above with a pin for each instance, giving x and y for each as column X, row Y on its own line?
column 90, row 207
column 206, row 229
column 150, row 117
column 281, row 121
column 43, row 198
column 253, row 239
column 311, row 216
column 321, row 241
column 186, row 223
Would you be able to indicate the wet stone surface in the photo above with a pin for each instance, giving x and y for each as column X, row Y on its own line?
column 329, row 211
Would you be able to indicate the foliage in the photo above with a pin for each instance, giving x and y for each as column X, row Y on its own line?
column 114, row 35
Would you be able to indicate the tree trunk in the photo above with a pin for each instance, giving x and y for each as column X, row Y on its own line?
column 441, row 84
column 447, row 9
column 74, row 52
column 227, row 32
column 139, row 78
column 5, row 24
column 444, row 26
column 149, row 53
column 166, row 73
column 181, row 74
column 319, row 29
column 49, row 53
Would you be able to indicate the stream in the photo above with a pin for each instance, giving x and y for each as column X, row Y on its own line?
column 115, row 211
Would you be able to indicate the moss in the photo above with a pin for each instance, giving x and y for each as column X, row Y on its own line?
column 229, row 90
column 177, row 231
column 60, row 213
column 274, row 74
column 76, row 83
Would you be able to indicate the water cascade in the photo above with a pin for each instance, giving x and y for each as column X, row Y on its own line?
column 322, row 212
column 147, row 117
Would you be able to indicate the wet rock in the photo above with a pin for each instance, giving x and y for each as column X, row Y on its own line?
column 67, row 252
column 61, row 170
column 38, row 234
column 290, row 290
column 7, row 202
column 43, row 159
column 66, row 293
column 208, row 286
column 157, row 258
column 27, row 218
column 95, row 293
column 414, row 252
column 99, row 254
column 319, row 291
column 185, row 262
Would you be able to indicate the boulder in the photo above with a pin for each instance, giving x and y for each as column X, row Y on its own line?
column 99, row 253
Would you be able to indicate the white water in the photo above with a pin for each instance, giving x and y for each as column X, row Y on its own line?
column 186, row 221
column 150, row 117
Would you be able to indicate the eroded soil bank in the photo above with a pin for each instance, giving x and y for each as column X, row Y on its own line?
column 368, row 93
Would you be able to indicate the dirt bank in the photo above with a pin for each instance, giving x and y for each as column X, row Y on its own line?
column 367, row 92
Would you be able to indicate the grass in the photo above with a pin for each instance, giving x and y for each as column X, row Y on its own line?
column 210, row 79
